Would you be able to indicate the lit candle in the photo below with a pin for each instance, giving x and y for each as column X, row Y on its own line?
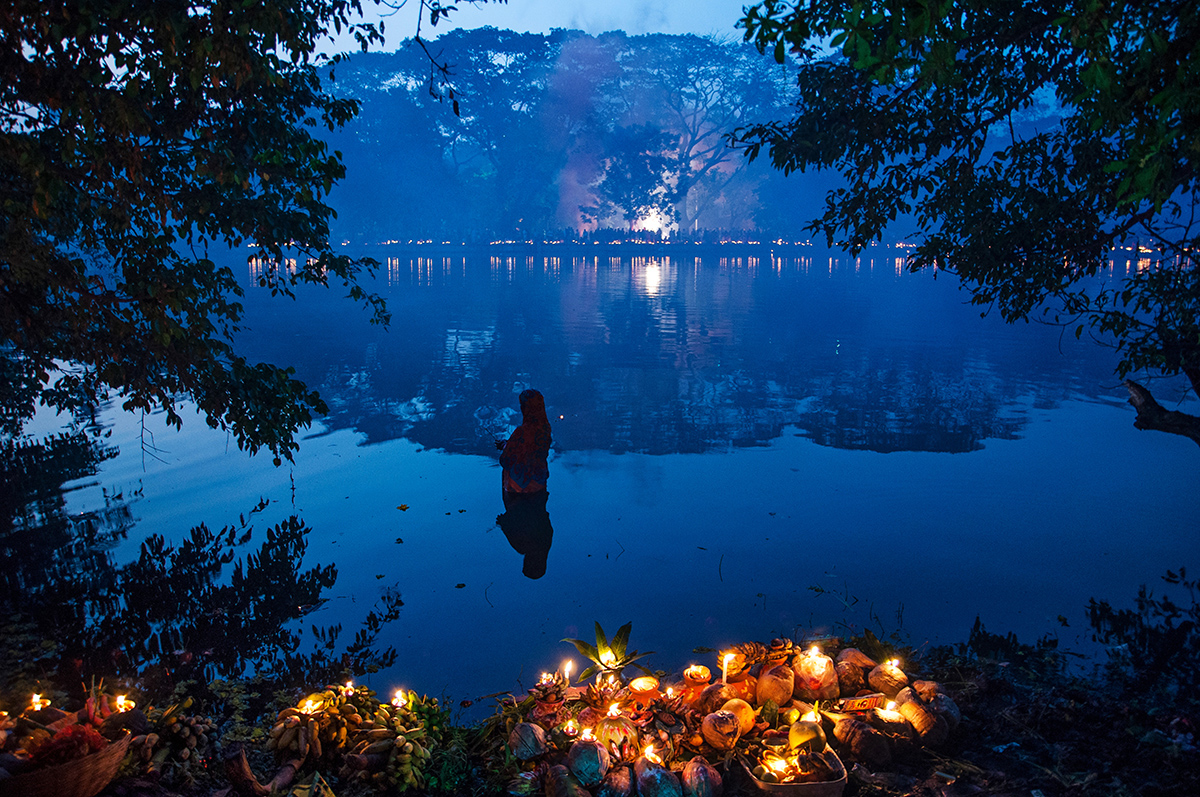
column 38, row 703
column 614, row 710
column 348, row 689
column 670, row 692
column 571, row 728
column 123, row 704
column 398, row 699
column 587, row 735
column 546, row 678
column 728, row 657
column 567, row 671
column 309, row 707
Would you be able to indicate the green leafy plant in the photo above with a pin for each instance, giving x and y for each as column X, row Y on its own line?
column 609, row 657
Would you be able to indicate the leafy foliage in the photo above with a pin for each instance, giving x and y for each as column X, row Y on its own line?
column 1157, row 637
column 137, row 140
column 609, row 657
column 1031, row 144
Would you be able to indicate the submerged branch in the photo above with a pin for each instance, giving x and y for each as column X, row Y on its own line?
column 1153, row 416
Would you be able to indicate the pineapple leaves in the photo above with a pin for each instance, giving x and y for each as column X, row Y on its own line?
column 606, row 656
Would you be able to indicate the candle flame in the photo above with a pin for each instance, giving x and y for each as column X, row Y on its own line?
column 649, row 753
column 670, row 692
column 614, row 710
column 814, row 651
column 571, row 727
column 398, row 699
column 811, row 717
column 587, row 735
column 123, row 704
column 894, row 663
column 696, row 672
column 607, row 658
column 891, row 705
column 779, row 765
column 349, row 688
column 728, row 657
column 567, row 670
column 309, row 707
column 38, row 703
column 546, row 678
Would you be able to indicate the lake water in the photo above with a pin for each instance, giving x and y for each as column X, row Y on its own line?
column 730, row 431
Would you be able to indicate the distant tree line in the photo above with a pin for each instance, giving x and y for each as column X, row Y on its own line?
column 562, row 132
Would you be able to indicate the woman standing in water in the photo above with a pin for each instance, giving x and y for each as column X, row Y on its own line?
column 526, row 522
column 524, row 454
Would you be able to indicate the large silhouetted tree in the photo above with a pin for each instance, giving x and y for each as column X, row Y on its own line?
column 924, row 111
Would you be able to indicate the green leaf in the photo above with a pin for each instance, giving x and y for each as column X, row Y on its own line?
column 601, row 640
column 621, row 640
column 585, row 649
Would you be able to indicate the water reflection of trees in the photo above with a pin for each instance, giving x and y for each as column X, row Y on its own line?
column 208, row 605
column 687, row 359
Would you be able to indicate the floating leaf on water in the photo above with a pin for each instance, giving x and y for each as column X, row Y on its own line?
column 459, row 586
column 403, row 507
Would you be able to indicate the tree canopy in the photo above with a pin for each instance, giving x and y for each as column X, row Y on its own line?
column 1033, row 143
column 137, row 138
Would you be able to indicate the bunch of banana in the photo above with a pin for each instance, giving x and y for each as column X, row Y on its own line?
column 320, row 726
column 173, row 736
column 392, row 749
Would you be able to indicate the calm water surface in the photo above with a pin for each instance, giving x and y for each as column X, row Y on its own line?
column 729, row 433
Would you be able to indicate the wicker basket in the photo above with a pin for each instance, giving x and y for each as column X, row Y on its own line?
column 82, row 777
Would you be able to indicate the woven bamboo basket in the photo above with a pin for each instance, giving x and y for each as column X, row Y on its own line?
column 83, row 777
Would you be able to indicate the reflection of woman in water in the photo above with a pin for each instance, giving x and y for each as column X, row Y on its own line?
column 525, row 521
column 526, row 524
column 524, row 454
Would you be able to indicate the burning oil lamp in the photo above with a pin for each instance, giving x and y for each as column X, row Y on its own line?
column 566, row 668
column 587, row 735
column 398, row 699
column 310, row 706
column 571, row 728
column 650, row 755
column 38, row 703
column 348, row 689
column 728, row 657
column 644, row 689
column 695, row 679
column 123, row 704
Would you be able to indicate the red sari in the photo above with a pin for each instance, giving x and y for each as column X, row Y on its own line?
column 524, row 455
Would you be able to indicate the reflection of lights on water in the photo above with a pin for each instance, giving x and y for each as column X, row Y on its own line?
column 653, row 278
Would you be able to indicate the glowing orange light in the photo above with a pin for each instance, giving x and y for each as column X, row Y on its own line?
column 571, row 728
column 811, row 716
column 587, row 735
column 309, row 707
column 728, row 657
column 38, row 703
column 697, row 672
column 349, row 689
column 891, row 705
column 651, row 755
column 123, row 704
column 614, row 710
column 567, row 670
column 814, row 651
column 398, row 699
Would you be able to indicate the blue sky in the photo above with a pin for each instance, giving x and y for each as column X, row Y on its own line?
column 591, row 16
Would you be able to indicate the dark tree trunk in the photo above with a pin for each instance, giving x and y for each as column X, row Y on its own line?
column 1152, row 415
column 245, row 784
